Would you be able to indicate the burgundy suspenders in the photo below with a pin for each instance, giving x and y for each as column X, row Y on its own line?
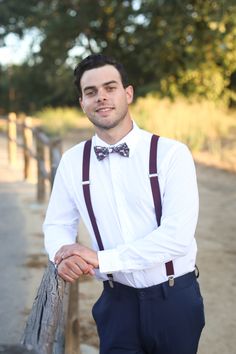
column 86, row 190
column 157, row 196
column 155, row 192
column 87, row 198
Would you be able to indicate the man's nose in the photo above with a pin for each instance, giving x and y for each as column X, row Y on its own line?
column 101, row 95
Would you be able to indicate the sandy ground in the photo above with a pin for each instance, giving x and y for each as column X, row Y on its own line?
column 23, row 258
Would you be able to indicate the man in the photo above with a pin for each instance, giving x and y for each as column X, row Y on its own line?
column 143, row 250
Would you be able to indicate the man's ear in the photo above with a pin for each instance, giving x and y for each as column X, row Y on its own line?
column 129, row 94
column 81, row 104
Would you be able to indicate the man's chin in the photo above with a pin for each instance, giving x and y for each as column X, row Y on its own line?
column 104, row 123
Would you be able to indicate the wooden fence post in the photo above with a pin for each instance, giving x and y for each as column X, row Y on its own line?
column 46, row 317
column 40, row 166
column 55, row 156
column 28, row 146
column 12, row 136
column 72, row 342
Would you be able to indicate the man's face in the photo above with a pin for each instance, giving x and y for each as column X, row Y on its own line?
column 104, row 99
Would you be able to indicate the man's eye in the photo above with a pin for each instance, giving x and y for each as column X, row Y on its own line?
column 111, row 88
column 90, row 93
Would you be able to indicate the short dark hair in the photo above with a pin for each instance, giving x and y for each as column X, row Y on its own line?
column 96, row 61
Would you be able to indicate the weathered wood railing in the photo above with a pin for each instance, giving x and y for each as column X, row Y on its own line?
column 36, row 145
column 52, row 327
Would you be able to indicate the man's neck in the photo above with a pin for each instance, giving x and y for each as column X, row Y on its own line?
column 113, row 135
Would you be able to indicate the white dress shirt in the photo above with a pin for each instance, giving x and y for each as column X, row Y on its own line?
column 135, row 248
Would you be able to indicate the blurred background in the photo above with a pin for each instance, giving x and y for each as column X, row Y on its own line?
column 180, row 56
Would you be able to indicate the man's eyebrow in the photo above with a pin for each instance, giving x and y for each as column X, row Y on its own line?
column 110, row 82
column 89, row 88
column 104, row 84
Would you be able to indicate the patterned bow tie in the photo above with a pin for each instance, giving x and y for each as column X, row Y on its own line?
column 102, row 151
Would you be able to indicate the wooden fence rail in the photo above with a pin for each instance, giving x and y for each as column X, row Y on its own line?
column 53, row 324
column 36, row 145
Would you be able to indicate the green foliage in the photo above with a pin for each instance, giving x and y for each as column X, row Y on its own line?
column 58, row 121
column 172, row 47
column 29, row 88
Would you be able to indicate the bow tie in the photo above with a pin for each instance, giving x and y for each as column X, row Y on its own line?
column 102, row 151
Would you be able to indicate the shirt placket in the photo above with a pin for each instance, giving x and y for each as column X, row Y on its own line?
column 117, row 177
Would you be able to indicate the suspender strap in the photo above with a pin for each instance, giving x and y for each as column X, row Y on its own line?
column 154, row 178
column 156, row 194
column 87, row 198
column 86, row 190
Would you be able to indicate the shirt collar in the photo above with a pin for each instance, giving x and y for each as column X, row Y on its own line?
column 131, row 139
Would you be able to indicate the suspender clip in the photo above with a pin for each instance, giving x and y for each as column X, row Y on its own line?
column 151, row 175
column 196, row 271
column 110, row 280
column 171, row 280
column 85, row 182
column 111, row 283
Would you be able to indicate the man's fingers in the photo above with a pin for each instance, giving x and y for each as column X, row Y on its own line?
column 88, row 255
column 91, row 271
column 67, row 278
column 66, row 251
column 68, row 270
column 83, row 266
column 59, row 256
column 73, row 267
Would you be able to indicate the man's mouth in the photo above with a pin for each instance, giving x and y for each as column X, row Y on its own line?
column 104, row 109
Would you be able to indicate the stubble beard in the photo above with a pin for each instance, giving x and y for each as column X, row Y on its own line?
column 107, row 123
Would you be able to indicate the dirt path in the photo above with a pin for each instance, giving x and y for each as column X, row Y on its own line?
column 22, row 256
column 216, row 235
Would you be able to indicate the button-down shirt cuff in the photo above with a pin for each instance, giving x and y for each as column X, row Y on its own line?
column 109, row 261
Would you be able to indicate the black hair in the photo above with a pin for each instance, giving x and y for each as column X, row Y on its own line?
column 96, row 61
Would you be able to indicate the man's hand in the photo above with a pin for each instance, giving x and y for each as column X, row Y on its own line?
column 87, row 254
column 71, row 268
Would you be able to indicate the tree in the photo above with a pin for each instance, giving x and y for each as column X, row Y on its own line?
column 172, row 47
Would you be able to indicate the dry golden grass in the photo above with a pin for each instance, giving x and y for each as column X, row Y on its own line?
column 209, row 131
column 58, row 121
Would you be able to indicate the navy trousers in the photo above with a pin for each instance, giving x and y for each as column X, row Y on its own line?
column 155, row 320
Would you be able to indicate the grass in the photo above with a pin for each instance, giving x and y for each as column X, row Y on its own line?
column 208, row 130
column 60, row 120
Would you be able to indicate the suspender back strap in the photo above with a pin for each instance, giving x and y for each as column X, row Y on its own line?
column 156, row 192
